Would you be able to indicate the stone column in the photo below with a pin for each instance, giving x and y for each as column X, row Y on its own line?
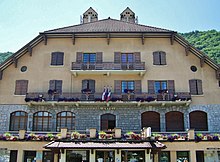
column 173, row 156
column 92, row 156
column 118, row 156
column 192, row 156
column 147, row 156
column 63, row 156
column 20, row 155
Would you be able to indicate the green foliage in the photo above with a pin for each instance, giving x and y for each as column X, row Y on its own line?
column 4, row 56
column 206, row 41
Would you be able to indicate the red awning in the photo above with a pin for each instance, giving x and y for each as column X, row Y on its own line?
column 99, row 145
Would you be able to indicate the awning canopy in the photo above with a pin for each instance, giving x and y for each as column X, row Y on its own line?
column 104, row 145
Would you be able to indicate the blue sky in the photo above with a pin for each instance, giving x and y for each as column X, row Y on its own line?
column 22, row 20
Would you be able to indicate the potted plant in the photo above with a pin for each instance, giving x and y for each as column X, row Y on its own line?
column 102, row 135
column 75, row 135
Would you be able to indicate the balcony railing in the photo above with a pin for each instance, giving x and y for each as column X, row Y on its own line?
column 119, row 98
column 108, row 66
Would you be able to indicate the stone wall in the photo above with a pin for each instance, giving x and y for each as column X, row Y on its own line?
column 128, row 118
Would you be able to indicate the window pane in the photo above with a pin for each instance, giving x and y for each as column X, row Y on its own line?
column 123, row 57
column 123, row 86
column 163, row 85
column 85, row 58
column 131, row 85
column 92, row 58
column 182, row 156
column 156, row 86
column 130, row 58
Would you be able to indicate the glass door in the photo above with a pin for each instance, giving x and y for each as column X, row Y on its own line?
column 105, row 156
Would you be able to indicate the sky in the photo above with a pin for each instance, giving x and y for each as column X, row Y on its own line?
column 22, row 20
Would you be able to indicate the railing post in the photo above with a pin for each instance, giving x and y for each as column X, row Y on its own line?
column 117, row 132
column 63, row 132
column 21, row 134
column 191, row 134
column 92, row 133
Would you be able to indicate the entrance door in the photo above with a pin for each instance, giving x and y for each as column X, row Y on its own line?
column 105, row 156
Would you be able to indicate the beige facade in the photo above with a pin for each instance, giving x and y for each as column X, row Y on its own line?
column 124, row 37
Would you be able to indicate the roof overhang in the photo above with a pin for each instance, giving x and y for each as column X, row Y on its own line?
column 105, row 145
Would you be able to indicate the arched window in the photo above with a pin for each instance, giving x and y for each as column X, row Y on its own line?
column 174, row 121
column 42, row 121
column 151, row 119
column 108, row 121
column 65, row 119
column 198, row 120
column 18, row 121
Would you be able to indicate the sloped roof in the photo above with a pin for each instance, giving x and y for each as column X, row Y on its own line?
column 107, row 25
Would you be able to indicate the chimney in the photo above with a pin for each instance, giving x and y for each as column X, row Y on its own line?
column 90, row 16
column 128, row 15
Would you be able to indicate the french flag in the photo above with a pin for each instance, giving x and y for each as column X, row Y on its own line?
column 104, row 93
column 109, row 95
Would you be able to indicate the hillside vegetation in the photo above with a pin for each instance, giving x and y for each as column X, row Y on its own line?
column 4, row 56
column 206, row 41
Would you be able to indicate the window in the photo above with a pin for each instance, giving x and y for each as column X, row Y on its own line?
column 121, row 86
column 57, row 58
column 88, row 86
column 198, row 120
column 133, row 156
column 174, row 121
column 77, row 155
column 164, row 156
column 127, row 85
column 65, row 119
column 13, row 155
column 200, row 156
column 151, row 119
column 195, row 86
column 18, row 121
column 219, row 83
column 42, row 121
column 48, row 156
column 159, row 58
column 127, row 58
column 56, row 85
column 108, row 121
column 89, row 58
column 182, row 156
column 159, row 86
column 21, row 87
column 29, row 156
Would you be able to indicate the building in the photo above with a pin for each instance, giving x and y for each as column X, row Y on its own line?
column 111, row 79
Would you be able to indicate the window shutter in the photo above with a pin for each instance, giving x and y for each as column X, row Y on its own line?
column 174, row 121
column 92, row 85
column 79, row 57
column 59, row 58
column 84, row 84
column 117, row 86
column 53, row 58
column 156, row 58
column 21, row 87
column 151, row 119
column 171, row 86
column 137, row 56
column 59, row 86
column 99, row 57
column 117, row 58
column 137, row 84
column 150, row 86
column 163, row 58
column 198, row 121
column 52, row 85
column 192, row 86
column 199, row 87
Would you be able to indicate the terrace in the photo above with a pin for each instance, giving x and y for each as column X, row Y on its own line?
column 136, row 99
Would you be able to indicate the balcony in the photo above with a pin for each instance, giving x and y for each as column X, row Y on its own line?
column 107, row 68
column 83, row 99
